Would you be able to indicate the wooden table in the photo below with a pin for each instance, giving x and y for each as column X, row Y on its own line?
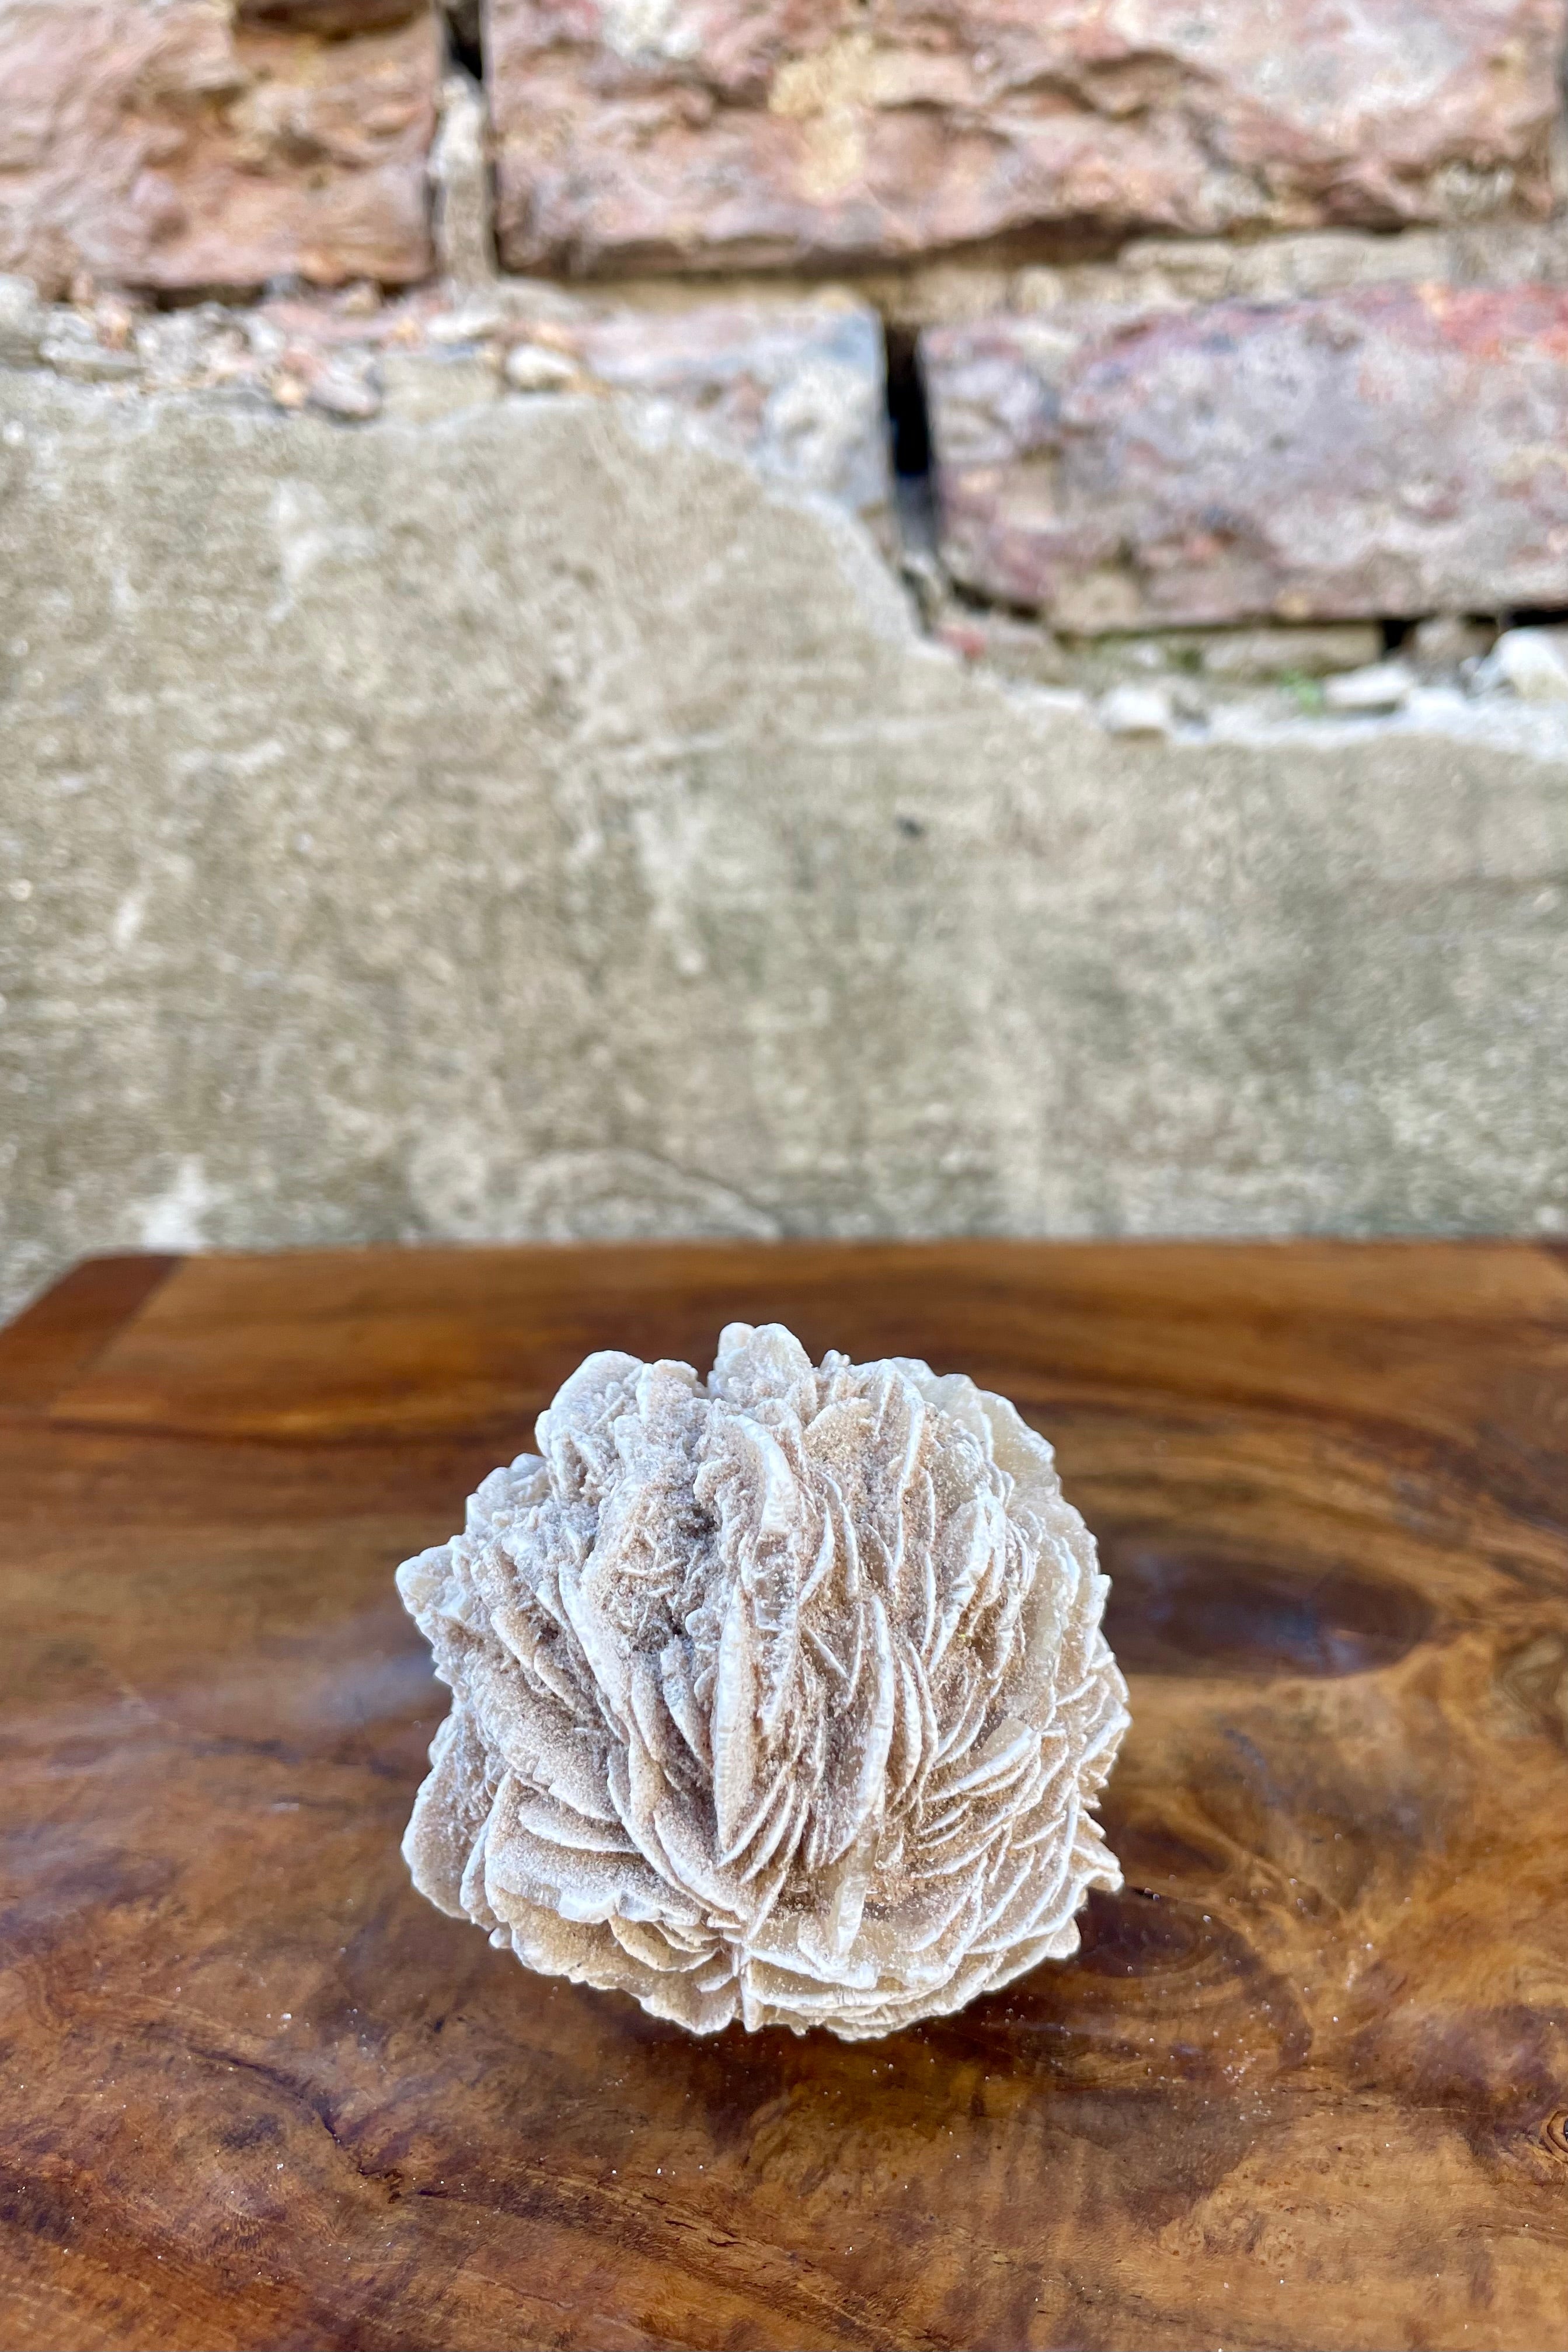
column 1306, row 2083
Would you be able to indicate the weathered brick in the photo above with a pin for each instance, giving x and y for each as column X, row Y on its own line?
column 1388, row 450
column 798, row 387
column 160, row 143
column 707, row 133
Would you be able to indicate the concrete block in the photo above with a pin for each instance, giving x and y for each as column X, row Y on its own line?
column 515, row 824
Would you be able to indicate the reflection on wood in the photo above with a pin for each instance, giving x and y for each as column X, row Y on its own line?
column 1306, row 2085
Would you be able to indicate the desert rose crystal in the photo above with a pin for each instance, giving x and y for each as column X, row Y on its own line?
column 781, row 1696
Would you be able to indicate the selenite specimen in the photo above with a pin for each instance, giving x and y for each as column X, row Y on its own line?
column 780, row 1696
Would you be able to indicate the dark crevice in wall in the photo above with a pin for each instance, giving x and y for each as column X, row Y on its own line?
column 910, row 443
column 332, row 20
column 1532, row 616
column 466, row 36
column 884, row 279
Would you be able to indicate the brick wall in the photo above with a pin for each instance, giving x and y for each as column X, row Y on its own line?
column 1226, row 311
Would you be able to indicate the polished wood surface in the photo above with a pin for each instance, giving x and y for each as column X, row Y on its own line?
column 1306, row 2086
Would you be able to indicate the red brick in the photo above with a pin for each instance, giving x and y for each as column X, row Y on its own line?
column 164, row 146
column 1395, row 450
column 709, row 133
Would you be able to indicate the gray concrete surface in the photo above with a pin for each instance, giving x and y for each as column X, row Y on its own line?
column 536, row 822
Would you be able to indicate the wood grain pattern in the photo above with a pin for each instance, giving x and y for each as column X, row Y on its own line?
column 1306, row 2086
column 58, row 1336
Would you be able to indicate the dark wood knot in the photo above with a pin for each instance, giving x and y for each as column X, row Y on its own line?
column 1180, row 1610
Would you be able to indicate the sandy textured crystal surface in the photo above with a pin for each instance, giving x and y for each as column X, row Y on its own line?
column 780, row 1696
